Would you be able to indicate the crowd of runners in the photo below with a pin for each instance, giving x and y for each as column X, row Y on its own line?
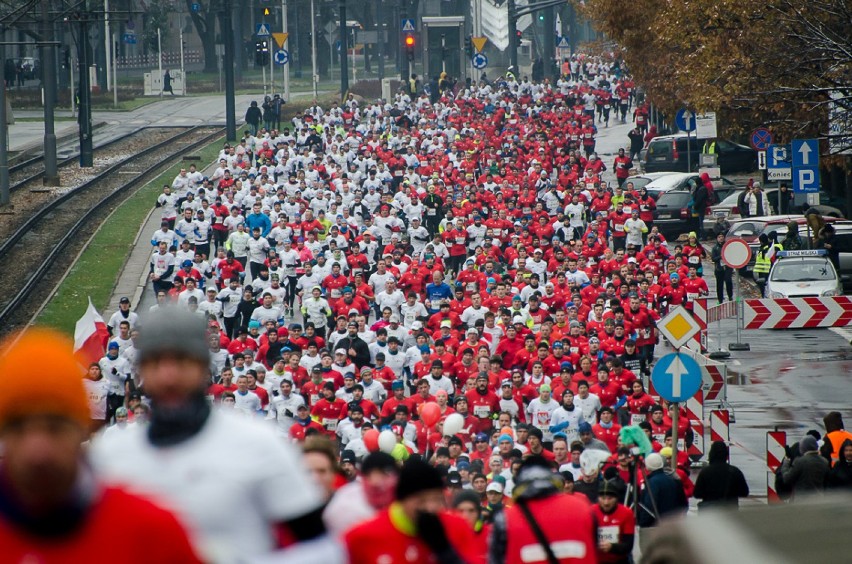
column 443, row 302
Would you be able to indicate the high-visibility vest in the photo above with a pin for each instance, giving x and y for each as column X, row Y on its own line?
column 762, row 261
column 709, row 147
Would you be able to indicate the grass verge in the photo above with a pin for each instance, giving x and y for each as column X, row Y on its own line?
column 98, row 268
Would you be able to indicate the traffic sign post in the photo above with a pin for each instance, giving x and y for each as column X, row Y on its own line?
column 407, row 25
column 262, row 30
column 685, row 121
column 282, row 57
column 678, row 326
column 805, row 154
column 737, row 254
column 676, row 377
column 778, row 163
column 479, row 61
column 761, row 139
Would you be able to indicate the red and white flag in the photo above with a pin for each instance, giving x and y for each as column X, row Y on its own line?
column 90, row 336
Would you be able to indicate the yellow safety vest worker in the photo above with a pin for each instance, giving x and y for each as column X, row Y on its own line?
column 762, row 261
column 709, row 147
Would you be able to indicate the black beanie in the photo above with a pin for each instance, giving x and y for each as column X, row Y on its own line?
column 417, row 476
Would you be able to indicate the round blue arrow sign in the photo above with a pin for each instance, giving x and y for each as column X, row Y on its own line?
column 685, row 120
column 282, row 57
column 676, row 377
column 479, row 61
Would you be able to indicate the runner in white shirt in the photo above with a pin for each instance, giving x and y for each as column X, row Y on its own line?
column 237, row 487
column 540, row 412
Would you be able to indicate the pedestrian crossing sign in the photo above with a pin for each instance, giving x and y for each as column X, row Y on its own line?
column 263, row 30
column 408, row 24
column 563, row 43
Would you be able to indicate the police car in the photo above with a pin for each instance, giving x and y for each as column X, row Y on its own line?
column 798, row 274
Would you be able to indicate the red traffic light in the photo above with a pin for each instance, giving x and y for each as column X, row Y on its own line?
column 409, row 41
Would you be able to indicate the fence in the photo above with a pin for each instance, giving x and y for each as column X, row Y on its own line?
column 170, row 59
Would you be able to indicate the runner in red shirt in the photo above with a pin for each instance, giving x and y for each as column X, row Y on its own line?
column 327, row 410
column 483, row 403
column 616, row 524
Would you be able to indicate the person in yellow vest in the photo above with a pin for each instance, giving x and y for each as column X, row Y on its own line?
column 709, row 147
column 835, row 433
column 763, row 262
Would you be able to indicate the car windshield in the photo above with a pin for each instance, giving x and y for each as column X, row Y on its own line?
column 731, row 199
column 803, row 270
column 666, row 182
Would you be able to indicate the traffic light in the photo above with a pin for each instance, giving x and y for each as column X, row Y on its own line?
column 409, row 43
column 267, row 11
column 518, row 36
column 261, row 53
column 468, row 47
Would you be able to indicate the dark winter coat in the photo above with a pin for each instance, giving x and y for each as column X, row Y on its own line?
column 807, row 474
column 719, row 483
column 668, row 494
column 841, row 474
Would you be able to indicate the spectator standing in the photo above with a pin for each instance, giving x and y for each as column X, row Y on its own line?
column 720, row 483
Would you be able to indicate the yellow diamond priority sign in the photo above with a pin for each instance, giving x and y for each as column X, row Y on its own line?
column 678, row 327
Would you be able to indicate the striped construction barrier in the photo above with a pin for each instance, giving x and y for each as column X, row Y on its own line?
column 698, row 343
column 695, row 413
column 725, row 310
column 776, row 442
column 797, row 313
column 720, row 425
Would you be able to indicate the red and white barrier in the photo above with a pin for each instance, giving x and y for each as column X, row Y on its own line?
column 797, row 313
column 725, row 310
column 720, row 425
column 695, row 414
column 775, row 453
column 698, row 343
column 718, row 388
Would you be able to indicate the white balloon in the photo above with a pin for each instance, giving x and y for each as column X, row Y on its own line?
column 453, row 424
column 387, row 440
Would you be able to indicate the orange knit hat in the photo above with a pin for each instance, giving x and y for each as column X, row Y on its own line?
column 39, row 375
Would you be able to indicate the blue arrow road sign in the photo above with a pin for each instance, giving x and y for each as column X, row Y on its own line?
column 282, row 57
column 479, row 61
column 676, row 377
column 685, row 120
column 129, row 38
column 805, row 153
column 263, row 30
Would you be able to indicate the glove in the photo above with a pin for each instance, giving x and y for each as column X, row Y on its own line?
column 561, row 426
column 431, row 531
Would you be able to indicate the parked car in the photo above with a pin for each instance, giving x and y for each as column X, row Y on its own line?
column 680, row 181
column 676, row 152
column 672, row 215
column 730, row 211
column 640, row 180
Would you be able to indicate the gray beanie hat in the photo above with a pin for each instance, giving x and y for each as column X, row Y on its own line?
column 808, row 444
column 173, row 330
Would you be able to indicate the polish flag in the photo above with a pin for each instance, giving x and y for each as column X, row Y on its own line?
column 90, row 336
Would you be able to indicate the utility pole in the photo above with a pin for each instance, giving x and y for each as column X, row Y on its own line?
column 85, row 117
column 513, row 36
column 4, row 138
column 314, row 73
column 48, row 65
column 286, row 70
column 344, row 43
column 230, row 101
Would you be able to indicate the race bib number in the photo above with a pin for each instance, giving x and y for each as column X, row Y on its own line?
column 430, row 211
column 314, row 398
column 619, row 227
column 330, row 424
column 659, row 437
column 636, row 418
column 644, row 208
column 608, row 534
column 542, row 419
column 681, row 445
column 694, row 260
column 398, row 173
column 574, row 350
column 471, row 287
column 482, row 411
column 692, row 297
column 459, row 240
